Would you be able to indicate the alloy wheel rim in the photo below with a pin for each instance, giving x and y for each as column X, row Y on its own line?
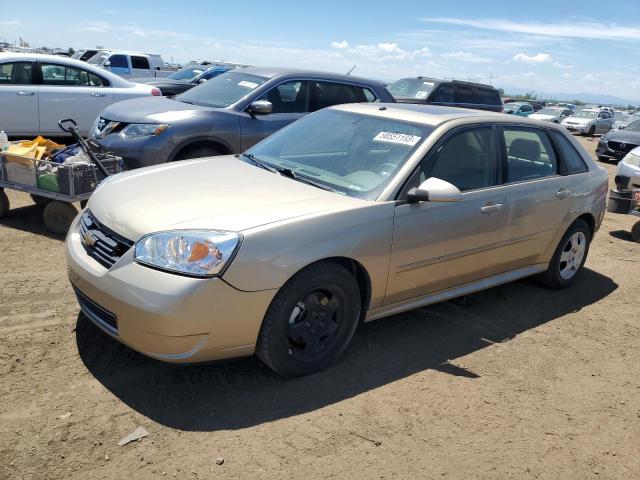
column 572, row 255
column 313, row 324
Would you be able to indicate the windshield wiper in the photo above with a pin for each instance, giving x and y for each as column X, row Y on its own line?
column 260, row 163
column 287, row 172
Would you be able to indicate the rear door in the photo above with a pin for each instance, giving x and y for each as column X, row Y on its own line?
column 70, row 92
column 18, row 98
column 140, row 66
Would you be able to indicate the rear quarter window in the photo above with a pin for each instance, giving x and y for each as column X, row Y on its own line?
column 572, row 160
column 487, row 96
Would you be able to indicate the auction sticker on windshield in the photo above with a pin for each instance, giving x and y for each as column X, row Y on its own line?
column 401, row 138
column 244, row 83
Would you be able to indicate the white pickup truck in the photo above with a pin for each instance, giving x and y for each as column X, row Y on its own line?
column 130, row 64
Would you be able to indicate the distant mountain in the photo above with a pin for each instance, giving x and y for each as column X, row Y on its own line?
column 583, row 97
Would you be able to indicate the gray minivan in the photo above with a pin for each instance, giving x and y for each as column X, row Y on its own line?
column 448, row 93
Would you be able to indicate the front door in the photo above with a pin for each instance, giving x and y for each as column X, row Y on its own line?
column 18, row 98
column 441, row 245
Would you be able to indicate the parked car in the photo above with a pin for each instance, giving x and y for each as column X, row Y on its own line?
column 85, row 54
column 38, row 90
column 522, row 109
column 224, row 115
column 551, row 114
column 130, row 64
column 628, row 171
column 589, row 122
column 449, row 93
column 570, row 106
column 616, row 144
column 354, row 213
column 623, row 120
column 182, row 80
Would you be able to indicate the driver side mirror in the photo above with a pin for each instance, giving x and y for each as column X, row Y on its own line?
column 261, row 107
column 107, row 63
column 434, row 190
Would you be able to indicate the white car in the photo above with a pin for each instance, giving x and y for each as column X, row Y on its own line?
column 38, row 90
column 628, row 172
column 552, row 114
column 130, row 64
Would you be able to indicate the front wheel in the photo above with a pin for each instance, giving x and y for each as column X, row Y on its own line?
column 58, row 216
column 310, row 320
column 569, row 257
column 635, row 232
column 592, row 131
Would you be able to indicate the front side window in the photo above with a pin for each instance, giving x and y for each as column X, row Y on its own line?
column 140, row 62
column 118, row 61
column 356, row 155
column 326, row 94
column 464, row 159
column 573, row 162
column 223, row 90
column 18, row 73
column 443, row 93
column 288, row 97
column 529, row 154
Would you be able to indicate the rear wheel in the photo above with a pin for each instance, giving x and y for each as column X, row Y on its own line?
column 310, row 321
column 569, row 257
column 197, row 151
column 4, row 203
column 40, row 201
column 58, row 216
column 635, row 232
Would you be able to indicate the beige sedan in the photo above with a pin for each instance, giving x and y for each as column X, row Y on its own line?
column 351, row 214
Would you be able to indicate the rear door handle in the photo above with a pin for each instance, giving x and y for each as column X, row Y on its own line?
column 563, row 193
column 491, row 207
column 24, row 93
column 98, row 94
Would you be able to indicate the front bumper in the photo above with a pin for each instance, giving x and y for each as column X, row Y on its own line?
column 139, row 152
column 603, row 150
column 624, row 174
column 165, row 316
column 582, row 129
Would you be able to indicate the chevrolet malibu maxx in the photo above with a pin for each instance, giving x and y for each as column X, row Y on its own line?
column 350, row 214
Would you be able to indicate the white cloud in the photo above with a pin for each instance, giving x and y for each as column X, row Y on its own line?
column 563, row 66
column 599, row 30
column 340, row 45
column 465, row 57
column 423, row 52
column 14, row 23
column 532, row 59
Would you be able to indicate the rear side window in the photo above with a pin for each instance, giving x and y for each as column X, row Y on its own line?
column 140, row 62
column 325, row 94
column 18, row 73
column 288, row 97
column 573, row 162
column 463, row 94
column 529, row 154
column 118, row 61
column 486, row 96
column 443, row 94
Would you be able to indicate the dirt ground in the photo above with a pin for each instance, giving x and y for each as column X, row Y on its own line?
column 515, row 383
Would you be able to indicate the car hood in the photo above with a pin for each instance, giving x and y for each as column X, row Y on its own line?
column 222, row 193
column 151, row 110
column 159, row 81
column 625, row 136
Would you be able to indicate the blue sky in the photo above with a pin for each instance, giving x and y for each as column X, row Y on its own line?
column 545, row 46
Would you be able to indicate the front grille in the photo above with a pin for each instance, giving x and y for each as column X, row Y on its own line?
column 621, row 146
column 97, row 314
column 100, row 243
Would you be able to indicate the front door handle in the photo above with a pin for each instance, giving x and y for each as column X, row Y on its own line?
column 24, row 93
column 491, row 207
column 98, row 94
column 563, row 193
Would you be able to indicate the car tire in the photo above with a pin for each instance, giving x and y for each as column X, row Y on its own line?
column 4, row 203
column 310, row 321
column 58, row 216
column 635, row 232
column 602, row 158
column 569, row 257
column 592, row 131
column 197, row 151
column 40, row 201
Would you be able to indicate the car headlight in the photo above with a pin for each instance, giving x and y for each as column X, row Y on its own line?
column 137, row 130
column 200, row 253
column 633, row 160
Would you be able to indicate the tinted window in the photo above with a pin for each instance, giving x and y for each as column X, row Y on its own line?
column 288, row 97
column 139, row 62
column 529, row 154
column 463, row 159
column 443, row 93
column 18, row 73
column 573, row 162
column 487, row 96
column 463, row 94
column 222, row 91
column 119, row 61
column 61, row 75
column 526, row 108
column 325, row 94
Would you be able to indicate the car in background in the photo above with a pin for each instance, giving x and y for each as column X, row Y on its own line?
column 36, row 91
column 354, row 213
column 622, row 120
column 130, row 64
column 589, row 121
column 551, row 114
column 570, row 106
column 521, row 109
column 182, row 80
column 447, row 93
column 227, row 114
column 85, row 54
column 628, row 171
column 615, row 144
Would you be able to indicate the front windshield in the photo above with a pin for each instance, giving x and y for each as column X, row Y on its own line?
column 98, row 58
column 223, row 90
column 187, row 73
column 416, row 88
column 633, row 126
column 550, row 111
column 585, row 114
column 356, row 155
